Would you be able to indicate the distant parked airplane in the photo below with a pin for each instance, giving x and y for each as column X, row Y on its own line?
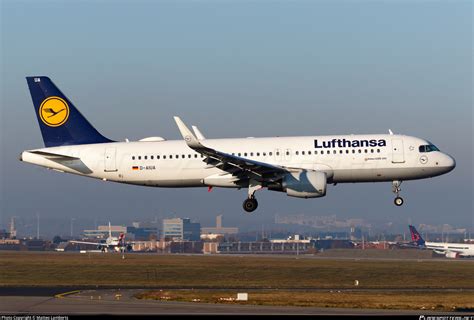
column 450, row 250
column 299, row 166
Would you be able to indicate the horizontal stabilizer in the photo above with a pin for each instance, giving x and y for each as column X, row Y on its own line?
column 55, row 156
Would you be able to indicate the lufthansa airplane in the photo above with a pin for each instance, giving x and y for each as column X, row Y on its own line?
column 301, row 167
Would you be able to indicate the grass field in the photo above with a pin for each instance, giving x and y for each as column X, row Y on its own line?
column 246, row 272
column 439, row 301
column 66, row 269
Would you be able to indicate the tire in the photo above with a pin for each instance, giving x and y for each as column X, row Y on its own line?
column 250, row 205
column 398, row 201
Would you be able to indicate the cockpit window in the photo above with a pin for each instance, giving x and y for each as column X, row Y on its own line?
column 428, row 148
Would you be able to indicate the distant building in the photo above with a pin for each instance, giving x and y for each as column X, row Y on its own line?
column 181, row 229
column 219, row 229
column 142, row 233
column 4, row 234
column 12, row 228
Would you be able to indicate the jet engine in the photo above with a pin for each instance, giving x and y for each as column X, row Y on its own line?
column 452, row 255
column 305, row 184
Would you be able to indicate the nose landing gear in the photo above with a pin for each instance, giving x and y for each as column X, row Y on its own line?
column 396, row 189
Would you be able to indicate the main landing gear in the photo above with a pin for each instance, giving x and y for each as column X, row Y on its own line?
column 396, row 189
column 250, row 204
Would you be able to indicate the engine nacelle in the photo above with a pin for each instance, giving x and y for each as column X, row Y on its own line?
column 452, row 255
column 305, row 184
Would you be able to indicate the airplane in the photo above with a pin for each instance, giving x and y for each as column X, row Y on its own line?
column 111, row 243
column 300, row 166
column 450, row 250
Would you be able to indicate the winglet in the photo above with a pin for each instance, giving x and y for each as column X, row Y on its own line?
column 188, row 136
column 198, row 133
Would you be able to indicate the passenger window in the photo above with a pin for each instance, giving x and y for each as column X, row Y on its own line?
column 139, row 157
column 365, row 150
column 189, row 156
column 158, row 157
column 287, row 153
column 240, row 154
column 360, row 151
column 371, row 150
column 296, row 152
column 340, row 151
column 334, row 152
column 353, row 151
column 146, row 157
column 133, row 158
column 315, row 151
column 164, row 157
column 378, row 150
column 195, row 155
column 270, row 153
column 183, row 156
column 264, row 154
column 152, row 157
column 347, row 151
column 309, row 152
column 251, row 154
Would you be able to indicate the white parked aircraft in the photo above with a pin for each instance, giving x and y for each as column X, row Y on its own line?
column 450, row 250
column 299, row 166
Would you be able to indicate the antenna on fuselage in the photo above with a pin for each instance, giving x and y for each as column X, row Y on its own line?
column 390, row 131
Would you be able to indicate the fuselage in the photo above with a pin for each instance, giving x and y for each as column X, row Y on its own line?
column 463, row 249
column 162, row 163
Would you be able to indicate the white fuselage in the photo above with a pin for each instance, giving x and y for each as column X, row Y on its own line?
column 463, row 249
column 174, row 164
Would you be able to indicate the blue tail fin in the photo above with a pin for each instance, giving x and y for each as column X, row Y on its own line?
column 416, row 236
column 60, row 122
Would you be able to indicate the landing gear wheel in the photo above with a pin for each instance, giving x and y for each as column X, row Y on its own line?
column 250, row 204
column 398, row 201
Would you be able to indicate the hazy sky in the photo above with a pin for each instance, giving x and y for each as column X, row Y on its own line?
column 236, row 69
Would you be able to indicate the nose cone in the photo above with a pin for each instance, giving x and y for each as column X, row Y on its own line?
column 449, row 162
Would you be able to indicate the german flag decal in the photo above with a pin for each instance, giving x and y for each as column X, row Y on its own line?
column 135, row 168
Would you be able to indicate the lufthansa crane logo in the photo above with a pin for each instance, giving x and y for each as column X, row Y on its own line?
column 54, row 111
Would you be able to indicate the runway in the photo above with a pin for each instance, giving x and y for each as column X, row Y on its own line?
column 122, row 302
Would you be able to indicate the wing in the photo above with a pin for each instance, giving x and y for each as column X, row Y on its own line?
column 85, row 242
column 242, row 168
column 198, row 133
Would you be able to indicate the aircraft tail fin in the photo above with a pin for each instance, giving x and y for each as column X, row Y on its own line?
column 59, row 120
column 416, row 236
